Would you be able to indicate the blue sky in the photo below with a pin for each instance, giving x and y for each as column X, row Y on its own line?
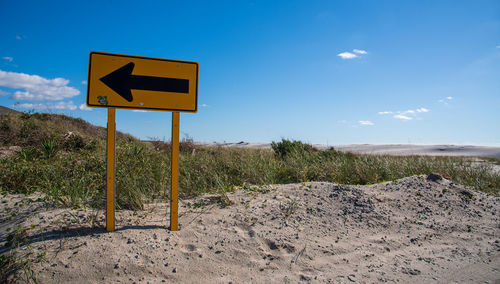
column 330, row 72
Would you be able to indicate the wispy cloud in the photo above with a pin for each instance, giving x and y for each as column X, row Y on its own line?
column 84, row 82
column 84, row 107
column 410, row 111
column 402, row 117
column 47, row 106
column 359, row 51
column 8, row 58
column 422, row 109
column 204, row 105
column 18, row 37
column 366, row 122
column 354, row 54
column 4, row 93
column 405, row 114
column 36, row 88
column 139, row 110
column 446, row 100
column 347, row 55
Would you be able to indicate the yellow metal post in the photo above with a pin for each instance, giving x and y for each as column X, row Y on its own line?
column 110, row 169
column 175, row 173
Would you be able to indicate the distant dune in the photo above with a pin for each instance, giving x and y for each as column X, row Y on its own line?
column 392, row 149
column 4, row 110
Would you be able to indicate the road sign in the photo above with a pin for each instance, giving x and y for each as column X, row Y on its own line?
column 136, row 82
column 125, row 81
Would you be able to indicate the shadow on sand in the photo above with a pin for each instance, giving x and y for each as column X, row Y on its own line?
column 59, row 234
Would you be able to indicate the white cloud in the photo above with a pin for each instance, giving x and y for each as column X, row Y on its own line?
column 359, row 51
column 347, row 55
column 139, row 110
column 406, row 114
column 48, row 106
column 8, row 58
column 84, row 107
column 498, row 46
column 204, row 105
column 365, row 122
column 445, row 100
column 37, row 88
column 4, row 93
column 402, row 117
column 422, row 109
column 84, row 82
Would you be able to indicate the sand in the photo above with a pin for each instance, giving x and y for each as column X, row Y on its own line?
column 391, row 149
column 420, row 229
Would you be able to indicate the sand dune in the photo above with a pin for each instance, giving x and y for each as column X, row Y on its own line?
column 420, row 229
column 392, row 149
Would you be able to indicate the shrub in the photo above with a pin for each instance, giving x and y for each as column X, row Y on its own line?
column 28, row 153
column 285, row 147
column 49, row 148
column 73, row 141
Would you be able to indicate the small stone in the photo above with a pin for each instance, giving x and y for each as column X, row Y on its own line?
column 304, row 277
column 434, row 177
column 174, row 270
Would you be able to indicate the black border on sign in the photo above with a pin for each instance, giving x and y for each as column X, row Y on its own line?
column 142, row 57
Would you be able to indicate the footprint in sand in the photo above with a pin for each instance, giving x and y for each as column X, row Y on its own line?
column 190, row 247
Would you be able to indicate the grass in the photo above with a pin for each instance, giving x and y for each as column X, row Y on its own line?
column 64, row 158
column 19, row 257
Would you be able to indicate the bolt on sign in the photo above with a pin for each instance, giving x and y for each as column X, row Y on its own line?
column 136, row 82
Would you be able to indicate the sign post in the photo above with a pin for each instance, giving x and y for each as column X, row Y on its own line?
column 136, row 82
column 110, row 171
column 174, row 188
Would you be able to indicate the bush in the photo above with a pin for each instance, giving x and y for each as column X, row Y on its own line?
column 73, row 141
column 49, row 148
column 285, row 147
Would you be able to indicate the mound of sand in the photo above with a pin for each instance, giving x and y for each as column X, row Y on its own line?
column 418, row 229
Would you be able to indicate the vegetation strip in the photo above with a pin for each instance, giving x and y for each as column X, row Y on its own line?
column 63, row 158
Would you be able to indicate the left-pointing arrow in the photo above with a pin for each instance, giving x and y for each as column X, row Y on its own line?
column 122, row 82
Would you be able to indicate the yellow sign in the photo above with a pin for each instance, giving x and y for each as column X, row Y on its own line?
column 135, row 82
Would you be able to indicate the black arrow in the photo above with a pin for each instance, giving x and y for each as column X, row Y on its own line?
column 122, row 82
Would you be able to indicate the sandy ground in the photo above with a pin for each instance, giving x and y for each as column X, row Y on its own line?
column 418, row 229
column 394, row 149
